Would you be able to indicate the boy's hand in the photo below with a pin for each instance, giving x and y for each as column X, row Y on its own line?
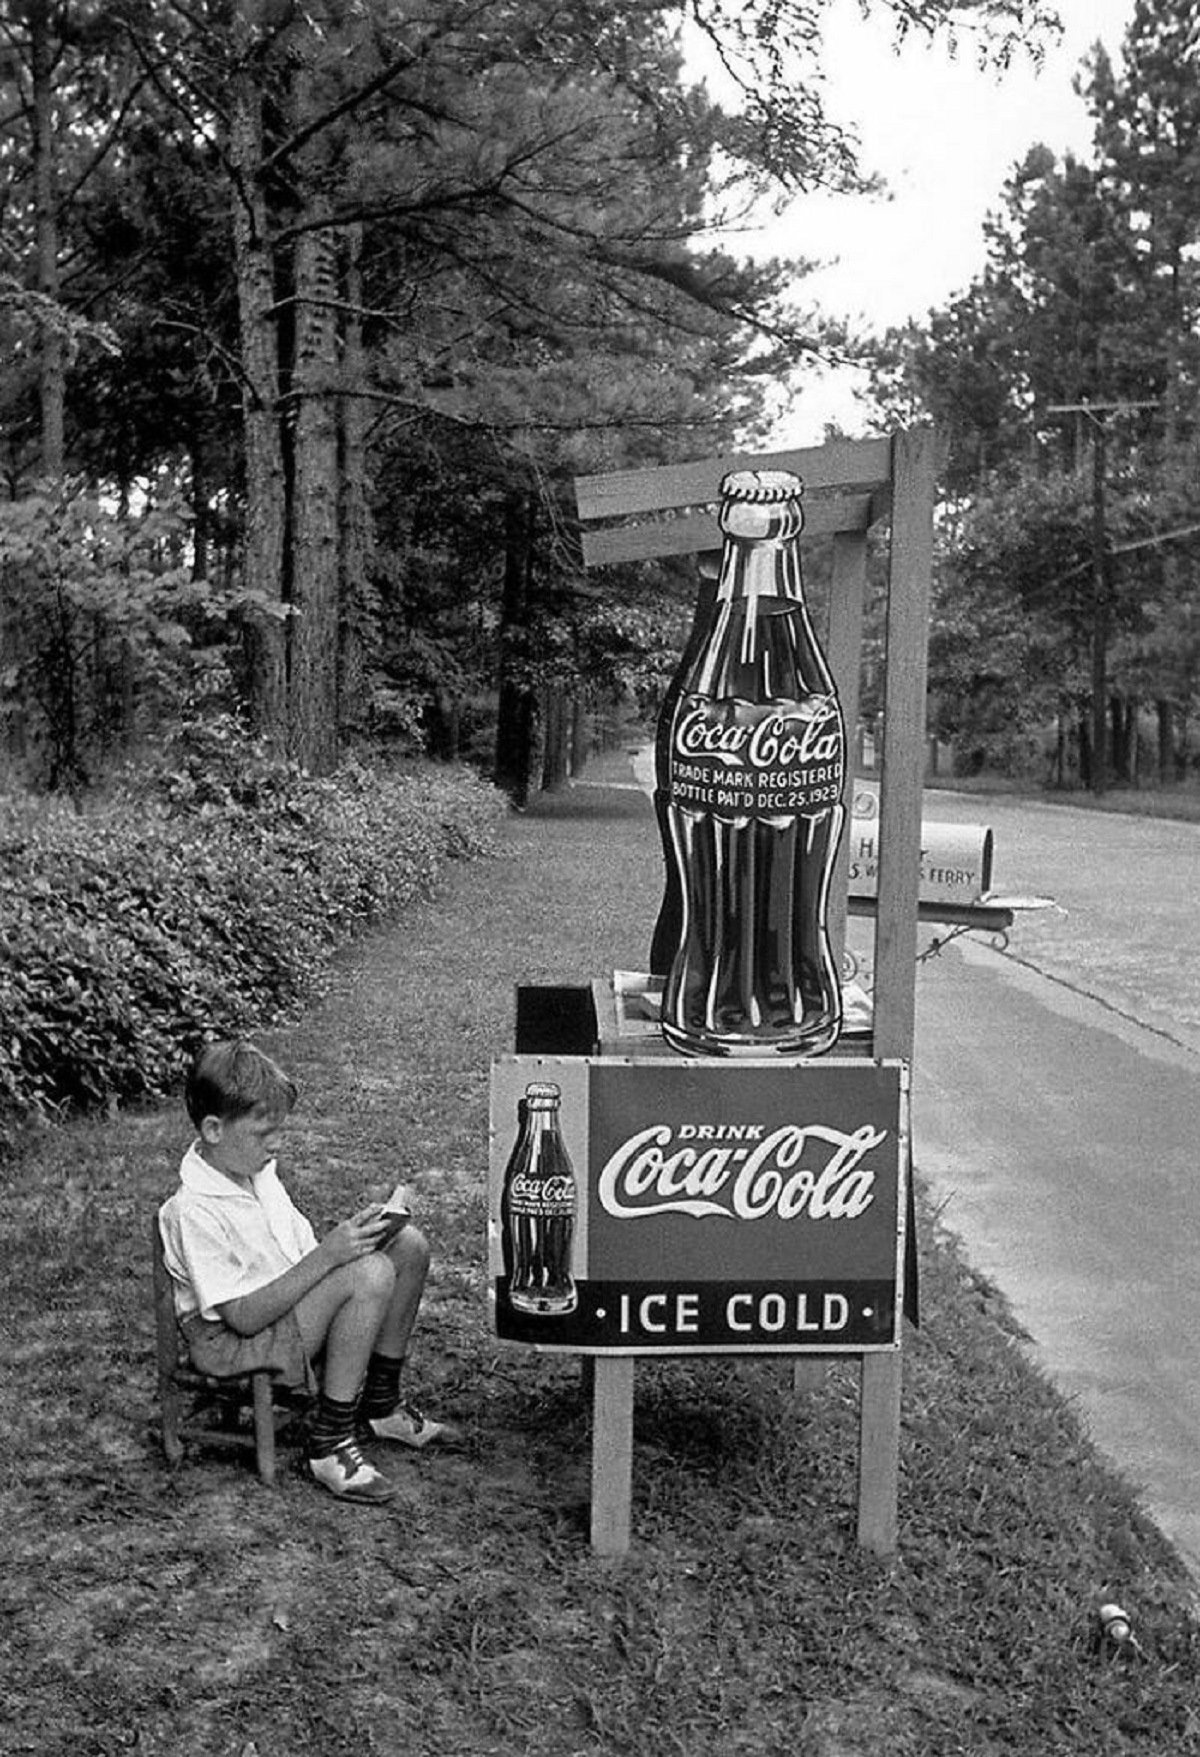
column 358, row 1236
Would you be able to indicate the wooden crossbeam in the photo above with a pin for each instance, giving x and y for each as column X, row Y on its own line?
column 694, row 533
column 847, row 488
column 845, row 463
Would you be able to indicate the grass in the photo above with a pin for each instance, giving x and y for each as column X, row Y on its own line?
column 201, row 1615
column 1178, row 801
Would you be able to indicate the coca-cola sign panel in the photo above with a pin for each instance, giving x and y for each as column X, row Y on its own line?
column 669, row 1207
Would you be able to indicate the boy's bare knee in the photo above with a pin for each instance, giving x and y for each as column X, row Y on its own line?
column 373, row 1276
column 409, row 1252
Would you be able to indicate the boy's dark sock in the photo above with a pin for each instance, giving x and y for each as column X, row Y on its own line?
column 332, row 1423
column 381, row 1393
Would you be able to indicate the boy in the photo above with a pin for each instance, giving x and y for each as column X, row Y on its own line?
column 253, row 1287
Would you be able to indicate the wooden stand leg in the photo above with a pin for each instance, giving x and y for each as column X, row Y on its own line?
column 879, row 1453
column 612, row 1454
column 808, row 1370
column 264, row 1427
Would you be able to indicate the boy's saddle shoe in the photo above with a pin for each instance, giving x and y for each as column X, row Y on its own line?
column 351, row 1477
column 406, row 1426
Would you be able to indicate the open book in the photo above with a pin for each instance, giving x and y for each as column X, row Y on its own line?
column 396, row 1210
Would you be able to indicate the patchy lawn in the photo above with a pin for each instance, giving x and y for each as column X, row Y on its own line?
column 201, row 1615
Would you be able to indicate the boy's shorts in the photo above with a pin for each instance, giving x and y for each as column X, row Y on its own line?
column 219, row 1351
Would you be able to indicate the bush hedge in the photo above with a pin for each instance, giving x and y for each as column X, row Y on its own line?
column 178, row 910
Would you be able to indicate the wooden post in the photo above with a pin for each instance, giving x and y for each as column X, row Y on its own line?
column 844, row 651
column 902, row 780
column 879, row 1453
column 808, row 1370
column 913, row 466
column 612, row 1454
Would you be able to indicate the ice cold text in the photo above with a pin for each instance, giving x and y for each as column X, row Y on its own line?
column 740, row 1314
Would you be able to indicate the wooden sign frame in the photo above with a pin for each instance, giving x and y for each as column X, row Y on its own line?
column 850, row 487
column 748, row 1207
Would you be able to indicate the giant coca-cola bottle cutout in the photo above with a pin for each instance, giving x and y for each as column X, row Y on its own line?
column 756, row 771
column 537, row 1210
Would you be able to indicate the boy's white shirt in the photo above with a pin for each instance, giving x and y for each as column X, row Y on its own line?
column 223, row 1239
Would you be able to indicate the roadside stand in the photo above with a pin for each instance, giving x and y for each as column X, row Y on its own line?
column 711, row 1156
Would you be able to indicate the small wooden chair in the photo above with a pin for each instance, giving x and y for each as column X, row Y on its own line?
column 179, row 1382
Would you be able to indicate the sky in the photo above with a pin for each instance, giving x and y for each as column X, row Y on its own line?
column 945, row 135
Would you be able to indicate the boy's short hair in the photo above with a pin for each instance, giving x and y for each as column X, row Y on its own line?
column 229, row 1080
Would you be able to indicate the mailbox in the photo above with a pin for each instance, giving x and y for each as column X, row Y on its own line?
column 956, row 859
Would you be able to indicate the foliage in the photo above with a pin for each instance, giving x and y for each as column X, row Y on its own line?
column 1014, row 605
column 210, row 900
column 1012, row 595
column 444, row 259
column 83, row 591
column 631, row 641
column 1148, row 151
column 1084, row 318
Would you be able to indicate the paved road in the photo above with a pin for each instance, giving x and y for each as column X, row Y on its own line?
column 1130, row 889
column 1057, row 1113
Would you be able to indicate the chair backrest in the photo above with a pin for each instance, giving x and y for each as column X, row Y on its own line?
column 165, row 1323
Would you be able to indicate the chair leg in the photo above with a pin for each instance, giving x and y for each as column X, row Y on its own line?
column 170, row 1405
column 264, row 1427
column 166, row 1347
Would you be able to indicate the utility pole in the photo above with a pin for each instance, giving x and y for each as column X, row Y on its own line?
column 1097, row 414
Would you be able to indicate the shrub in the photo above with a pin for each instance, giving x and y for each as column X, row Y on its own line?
column 98, row 613
column 130, row 932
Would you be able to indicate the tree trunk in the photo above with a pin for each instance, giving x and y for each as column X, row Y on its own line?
column 357, row 626
column 579, row 732
column 443, row 726
column 1166, row 741
column 312, row 647
column 1100, row 617
column 1085, row 752
column 1058, row 762
column 265, row 510
column 556, row 721
column 51, row 365
column 1133, row 711
column 201, row 511
column 516, row 718
column 1118, row 738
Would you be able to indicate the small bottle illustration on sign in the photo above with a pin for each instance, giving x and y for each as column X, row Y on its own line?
column 755, row 749
column 537, row 1210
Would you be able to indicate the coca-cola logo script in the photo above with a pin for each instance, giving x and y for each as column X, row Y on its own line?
column 541, row 1195
column 777, row 739
column 746, row 1173
column 757, row 759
